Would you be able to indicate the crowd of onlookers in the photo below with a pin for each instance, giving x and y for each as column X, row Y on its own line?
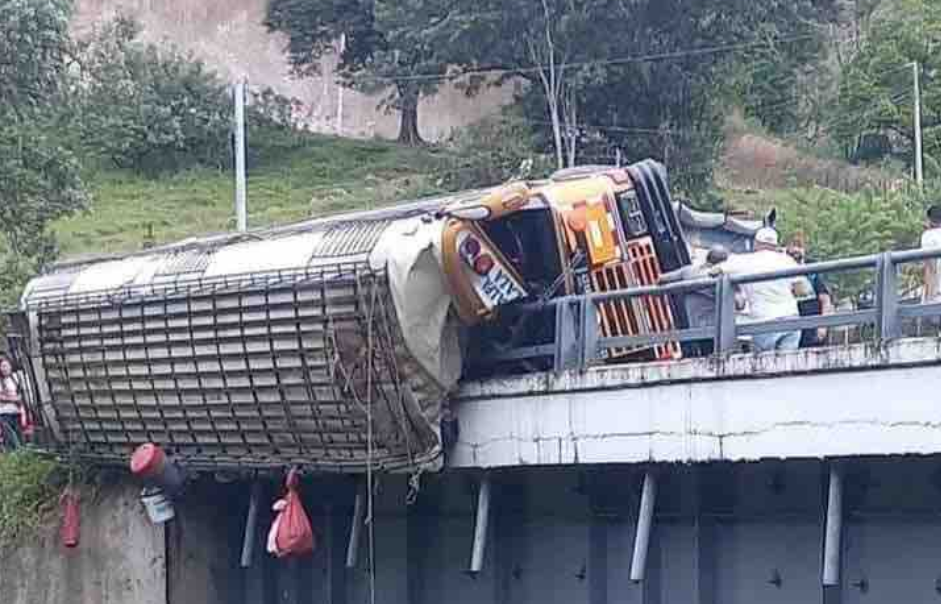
column 760, row 300
column 784, row 298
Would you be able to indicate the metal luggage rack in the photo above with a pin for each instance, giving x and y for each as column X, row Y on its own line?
column 188, row 283
column 230, row 372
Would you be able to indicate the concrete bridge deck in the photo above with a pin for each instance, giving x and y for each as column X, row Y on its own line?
column 864, row 399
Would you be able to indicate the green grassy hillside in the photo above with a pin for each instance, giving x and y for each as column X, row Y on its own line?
column 290, row 178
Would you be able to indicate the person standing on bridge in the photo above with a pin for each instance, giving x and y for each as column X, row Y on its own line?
column 701, row 303
column 10, row 403
column 817, row 302
column 931, row 239
column 771, row 299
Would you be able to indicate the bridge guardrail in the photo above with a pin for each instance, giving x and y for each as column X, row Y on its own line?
column 578, row 344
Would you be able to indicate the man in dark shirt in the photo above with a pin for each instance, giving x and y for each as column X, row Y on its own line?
column 819, row 303
column 700, row 304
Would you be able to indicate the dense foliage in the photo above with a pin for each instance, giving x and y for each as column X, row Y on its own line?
column 841, row 225
column 39, row 177
column 29, row 484
column 494, row 150
column 875, row 99
column 659, row 88
column 146, row 108
column 387, row 46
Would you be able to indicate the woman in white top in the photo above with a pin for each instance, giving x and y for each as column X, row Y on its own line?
column 10, row 400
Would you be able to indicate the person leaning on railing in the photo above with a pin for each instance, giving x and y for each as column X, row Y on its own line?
column 10, row 402
column 817, row 302
column 769, row 299
column 701, row 303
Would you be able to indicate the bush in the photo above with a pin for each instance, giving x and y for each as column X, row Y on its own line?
column 29, row 485
column 147, row 109
column 492, row 151
column 839, row 225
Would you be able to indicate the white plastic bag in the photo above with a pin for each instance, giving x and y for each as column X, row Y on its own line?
column 273, row 533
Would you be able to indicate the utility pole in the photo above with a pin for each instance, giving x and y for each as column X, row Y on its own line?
column 340, row 50
column 241, row 213
column 919, row 168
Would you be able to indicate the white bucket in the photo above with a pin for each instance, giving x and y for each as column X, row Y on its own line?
column 159, row 508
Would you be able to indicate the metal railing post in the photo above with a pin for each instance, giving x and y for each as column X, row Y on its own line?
column 589, row 339
column 888, row 324
column 567, row 351
column 725, row 315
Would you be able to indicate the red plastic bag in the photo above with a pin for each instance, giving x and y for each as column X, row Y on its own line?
column 70, row 518
column 291, row 533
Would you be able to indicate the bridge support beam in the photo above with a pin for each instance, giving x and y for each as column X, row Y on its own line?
column 648, row 498
column 834, row 529
column 480, row 528
column 251, row 522
column 359, row 511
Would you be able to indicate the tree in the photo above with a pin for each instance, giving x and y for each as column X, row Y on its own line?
column 39, row 177
column 146, row 108
column 875, row 86
column 643, row 76
column 553, row 45
column 386, row 47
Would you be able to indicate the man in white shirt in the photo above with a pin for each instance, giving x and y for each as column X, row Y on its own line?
column 769, row 300
column 931, row 239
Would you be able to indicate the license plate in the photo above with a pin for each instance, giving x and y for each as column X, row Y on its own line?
column 497, row 287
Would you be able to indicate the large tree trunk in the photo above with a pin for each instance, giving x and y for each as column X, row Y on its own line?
column 408, row 110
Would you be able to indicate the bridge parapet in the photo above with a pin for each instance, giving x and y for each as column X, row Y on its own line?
column 579, row 343
column 863, row 399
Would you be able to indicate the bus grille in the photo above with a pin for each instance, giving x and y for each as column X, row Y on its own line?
column 637, row 316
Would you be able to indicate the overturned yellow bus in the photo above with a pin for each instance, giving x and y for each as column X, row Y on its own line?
column 333, row 344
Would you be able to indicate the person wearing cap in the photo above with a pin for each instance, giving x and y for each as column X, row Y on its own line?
column 701, row 303
column 931, row 239
column 772, row 299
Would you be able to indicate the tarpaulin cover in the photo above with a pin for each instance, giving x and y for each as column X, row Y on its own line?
column 410, row 251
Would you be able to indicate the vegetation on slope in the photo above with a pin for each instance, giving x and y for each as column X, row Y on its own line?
column 291, row 176
column 30, row 484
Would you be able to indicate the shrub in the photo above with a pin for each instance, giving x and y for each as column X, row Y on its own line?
column 29, row 485
column 147, row 109
column 839, row 225
column 492, row 151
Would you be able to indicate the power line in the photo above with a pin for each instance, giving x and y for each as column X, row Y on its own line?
column 665, row 56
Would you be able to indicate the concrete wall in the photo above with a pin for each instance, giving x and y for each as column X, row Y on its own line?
column 228, row 36
column 120, row 559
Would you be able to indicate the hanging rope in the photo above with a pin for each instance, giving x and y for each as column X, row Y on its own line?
column 369, row 445
column 414, row 479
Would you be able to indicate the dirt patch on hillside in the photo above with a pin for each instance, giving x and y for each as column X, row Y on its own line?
column 755, row 162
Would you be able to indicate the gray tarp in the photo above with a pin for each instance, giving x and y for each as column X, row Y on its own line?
column 410, row 250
